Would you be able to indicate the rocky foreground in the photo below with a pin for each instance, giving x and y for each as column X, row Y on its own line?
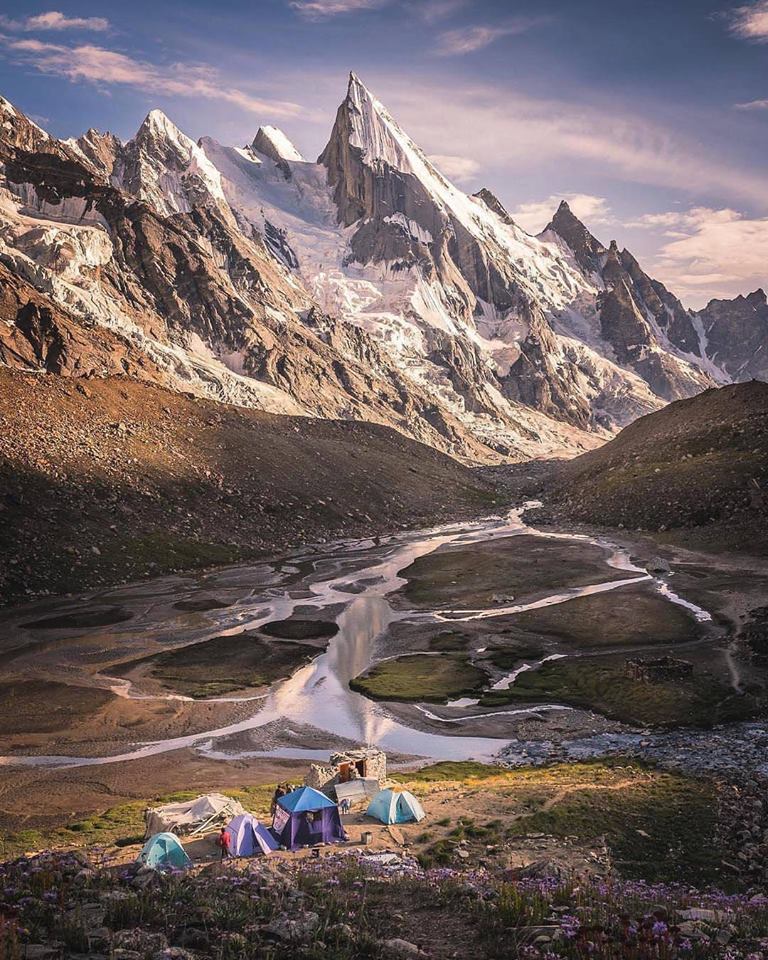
column 358, row 906
column 108, row 480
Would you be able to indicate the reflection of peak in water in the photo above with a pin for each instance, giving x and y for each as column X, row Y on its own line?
column 363, row 620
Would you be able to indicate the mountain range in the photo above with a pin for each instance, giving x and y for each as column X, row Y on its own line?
column 362, row 286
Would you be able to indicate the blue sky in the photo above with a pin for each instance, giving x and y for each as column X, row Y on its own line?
column 650, row 117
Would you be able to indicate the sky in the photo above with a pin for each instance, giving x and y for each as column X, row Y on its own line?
column 649, row 116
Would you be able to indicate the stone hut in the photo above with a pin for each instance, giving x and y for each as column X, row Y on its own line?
column 658, row 669
column 367, row 763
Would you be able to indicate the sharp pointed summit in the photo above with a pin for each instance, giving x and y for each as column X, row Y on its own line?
column 366, row 284
column 273, row 143
column 586, row 249
column 167, row 169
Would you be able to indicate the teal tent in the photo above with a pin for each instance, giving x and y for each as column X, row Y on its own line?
column 395, row 806
column 164, row 851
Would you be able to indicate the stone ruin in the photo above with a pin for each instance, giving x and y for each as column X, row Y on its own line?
column 658, row 669
column 368, row 763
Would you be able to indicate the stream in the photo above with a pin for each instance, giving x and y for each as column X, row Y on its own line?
column 353, row 583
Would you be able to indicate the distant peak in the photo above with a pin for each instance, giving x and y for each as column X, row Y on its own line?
column 159, row 126
column 493, row 203
column 156, row 118
column 567, row 225
column 273, row 143
column 7, row 107
column 355, row 83
column 359, row 95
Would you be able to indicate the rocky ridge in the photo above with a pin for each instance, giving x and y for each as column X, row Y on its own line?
column 364, row 286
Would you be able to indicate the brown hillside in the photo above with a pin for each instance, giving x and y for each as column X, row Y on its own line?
column 698, row 462
column 104, row 480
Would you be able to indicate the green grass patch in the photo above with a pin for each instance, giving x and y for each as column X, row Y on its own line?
column 168, row 552
column 123, row 824
column 449, row 641
column 486, row 573
column 419, row 678
column 225, row 664
column 461, row 770
column 659, row 829
column 602, row 685
column 630, row 617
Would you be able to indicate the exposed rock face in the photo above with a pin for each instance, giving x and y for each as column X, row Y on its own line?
column 588, row 252
column 35, row 334
column 736, row 333
column 177, row 289
column 638, row 317
column 363, row 286
column 493, row 203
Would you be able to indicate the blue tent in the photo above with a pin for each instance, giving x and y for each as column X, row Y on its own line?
column 248, row 837
column 395, row 806
column 164, row 851
column 304, row 817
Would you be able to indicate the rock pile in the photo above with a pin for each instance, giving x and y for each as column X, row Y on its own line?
column 743, row 827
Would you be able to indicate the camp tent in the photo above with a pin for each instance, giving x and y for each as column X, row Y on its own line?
column 304, row 817
column 192, row 816
column 357, row 791
column 164, row 852
column 249, row 838
column 395, row 806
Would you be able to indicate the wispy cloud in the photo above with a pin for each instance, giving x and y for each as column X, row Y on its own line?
column 460, row 169
column 710, row 253
column 750, row 22
column 507, row 131
column 469, row 39
column 534, row 216
column 55, row 20
column 753, row 105
column 322, row 9
column 432, row 11
column 104, row 68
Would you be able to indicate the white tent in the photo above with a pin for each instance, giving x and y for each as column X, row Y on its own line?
column 356, row 791
column 192, row 816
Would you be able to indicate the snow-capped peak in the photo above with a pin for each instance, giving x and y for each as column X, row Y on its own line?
column 376, row 132
column 273, row 143
column 168, row 169
column 7, row 107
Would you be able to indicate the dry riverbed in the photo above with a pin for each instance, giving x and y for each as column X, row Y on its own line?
column 441, row 646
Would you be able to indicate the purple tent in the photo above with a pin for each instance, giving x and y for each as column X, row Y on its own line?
column 305, row 817
column 249, row 838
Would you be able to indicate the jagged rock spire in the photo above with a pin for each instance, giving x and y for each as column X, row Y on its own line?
column 493, row 203
column 586, row 248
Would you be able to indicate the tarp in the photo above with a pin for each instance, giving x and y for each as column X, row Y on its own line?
column 249, row 838
column 209, row 810
column 305, row 817
column 164, row 851
column 364, row 788
column 396, row 806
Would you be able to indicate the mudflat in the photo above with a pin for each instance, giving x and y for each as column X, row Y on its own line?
column 222, row 665
column 515, row 569
column 631, row 616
